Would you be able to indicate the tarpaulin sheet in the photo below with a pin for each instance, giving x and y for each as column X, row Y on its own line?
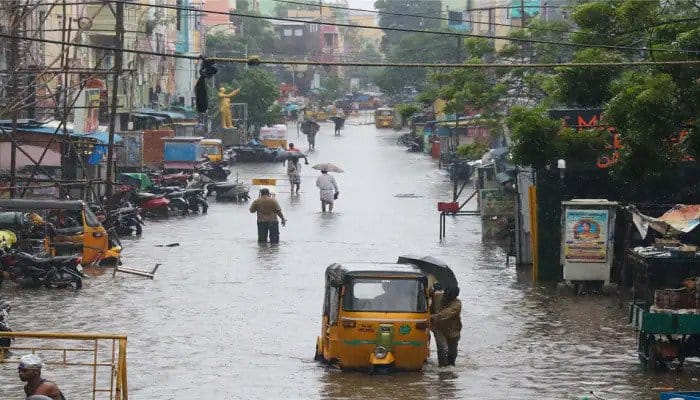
column 681, row 218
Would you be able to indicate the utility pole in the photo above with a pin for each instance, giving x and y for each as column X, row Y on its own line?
column 13, row 91
column 118, row 59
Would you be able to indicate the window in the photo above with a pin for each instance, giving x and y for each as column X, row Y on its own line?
column 334, row 306
column 178, row 15
column 385, row 295
column 287, row 32
column 298, row 32
column 492, row 20
column 313, row 28
column 329, row 39
column 455, row 18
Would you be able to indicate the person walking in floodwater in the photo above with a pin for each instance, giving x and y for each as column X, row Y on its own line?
column 310, row 128
column 446, row 325
column 328, row 190
column 268, row 210
column 294, row 173
column 29, row 370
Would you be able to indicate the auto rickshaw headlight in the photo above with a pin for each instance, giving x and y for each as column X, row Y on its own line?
column 380, row 352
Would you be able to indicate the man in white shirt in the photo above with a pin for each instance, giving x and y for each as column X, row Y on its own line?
column 329, row 190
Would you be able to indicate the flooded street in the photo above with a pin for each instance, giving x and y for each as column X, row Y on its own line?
column 228, row 318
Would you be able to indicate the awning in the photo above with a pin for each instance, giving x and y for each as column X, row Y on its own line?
column 101, row 137
column 680, row 219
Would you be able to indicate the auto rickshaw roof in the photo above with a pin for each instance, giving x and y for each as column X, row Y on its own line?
column 25, row 204
column 337, row 272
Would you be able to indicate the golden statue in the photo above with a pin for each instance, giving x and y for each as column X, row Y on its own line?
column 225, row 107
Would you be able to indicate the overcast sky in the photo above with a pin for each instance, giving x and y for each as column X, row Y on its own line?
column 368, row 4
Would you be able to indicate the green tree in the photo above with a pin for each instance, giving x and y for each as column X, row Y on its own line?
column 259, row 89
column 414, row 48
column 397, row 15
column 332, row 87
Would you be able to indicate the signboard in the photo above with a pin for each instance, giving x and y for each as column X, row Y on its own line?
column 496, row 202
column 586, row 236
column 87, row 113
column 264, row 182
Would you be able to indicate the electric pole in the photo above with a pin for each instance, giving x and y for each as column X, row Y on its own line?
column 13, row 87
column 118, row 59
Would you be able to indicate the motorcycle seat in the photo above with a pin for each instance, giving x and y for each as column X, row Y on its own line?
column 44, row 260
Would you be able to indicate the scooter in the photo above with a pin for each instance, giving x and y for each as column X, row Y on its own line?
column 218, row 172
column 150, row 204
column 161, row 179
column 236, row 191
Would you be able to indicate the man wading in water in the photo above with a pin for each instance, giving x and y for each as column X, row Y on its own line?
column 268, row 210
column 30, row 371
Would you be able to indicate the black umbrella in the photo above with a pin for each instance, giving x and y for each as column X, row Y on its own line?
column 288, row 155
column 433, row 266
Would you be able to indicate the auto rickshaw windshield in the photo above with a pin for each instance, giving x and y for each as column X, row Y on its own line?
column 210, row 149
column 385, row 295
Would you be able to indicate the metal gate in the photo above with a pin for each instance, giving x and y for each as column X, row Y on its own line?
column 84, row 365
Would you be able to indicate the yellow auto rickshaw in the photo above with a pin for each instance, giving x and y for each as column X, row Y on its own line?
column 318, row 115
column 376, row 317
column 384, row 117
column 70, row 228
column 212, row 149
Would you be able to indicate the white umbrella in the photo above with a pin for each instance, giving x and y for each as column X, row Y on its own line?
column 327, row 167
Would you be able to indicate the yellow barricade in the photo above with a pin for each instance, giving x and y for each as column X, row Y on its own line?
column 77, row 362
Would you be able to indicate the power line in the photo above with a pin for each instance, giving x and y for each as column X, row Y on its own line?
column 256, row 60
column 406, row 30
column 438, row 18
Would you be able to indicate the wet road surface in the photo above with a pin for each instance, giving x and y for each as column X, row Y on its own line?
column 227, row 318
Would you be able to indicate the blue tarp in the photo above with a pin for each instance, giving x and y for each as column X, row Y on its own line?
column 182, row 151
column 531, row 7
column 102, row 137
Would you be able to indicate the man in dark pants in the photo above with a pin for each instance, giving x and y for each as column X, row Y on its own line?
column 446, row 325
column 268, row 210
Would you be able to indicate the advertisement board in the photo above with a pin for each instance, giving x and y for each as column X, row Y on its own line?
column 586, row 235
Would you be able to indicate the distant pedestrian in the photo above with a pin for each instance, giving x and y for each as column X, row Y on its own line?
column 328, row 190
column 446, row 325
column 310, row 128
column 268, row 210
column 294, row 173
column 29, row 370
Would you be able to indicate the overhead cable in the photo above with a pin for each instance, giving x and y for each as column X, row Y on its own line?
column 406, row 30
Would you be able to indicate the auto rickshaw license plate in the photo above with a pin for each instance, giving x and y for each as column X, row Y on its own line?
column 365, row 328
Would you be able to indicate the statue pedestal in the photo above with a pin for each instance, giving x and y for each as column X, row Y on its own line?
column 228, row 136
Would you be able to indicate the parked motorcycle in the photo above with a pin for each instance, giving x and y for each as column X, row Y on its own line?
column 124, row 221
column 161, row 179
column 176, row 196
column 51, row 272
column 151, row 205
column 216, row 171
column 233, row 191
column 4, row 325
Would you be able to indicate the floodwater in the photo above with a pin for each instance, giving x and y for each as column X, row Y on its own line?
column 227, row 318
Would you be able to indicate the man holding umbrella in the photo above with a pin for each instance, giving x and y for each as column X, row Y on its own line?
column 327, row 185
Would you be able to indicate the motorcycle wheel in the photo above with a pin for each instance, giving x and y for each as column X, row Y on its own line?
column 64, row 280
